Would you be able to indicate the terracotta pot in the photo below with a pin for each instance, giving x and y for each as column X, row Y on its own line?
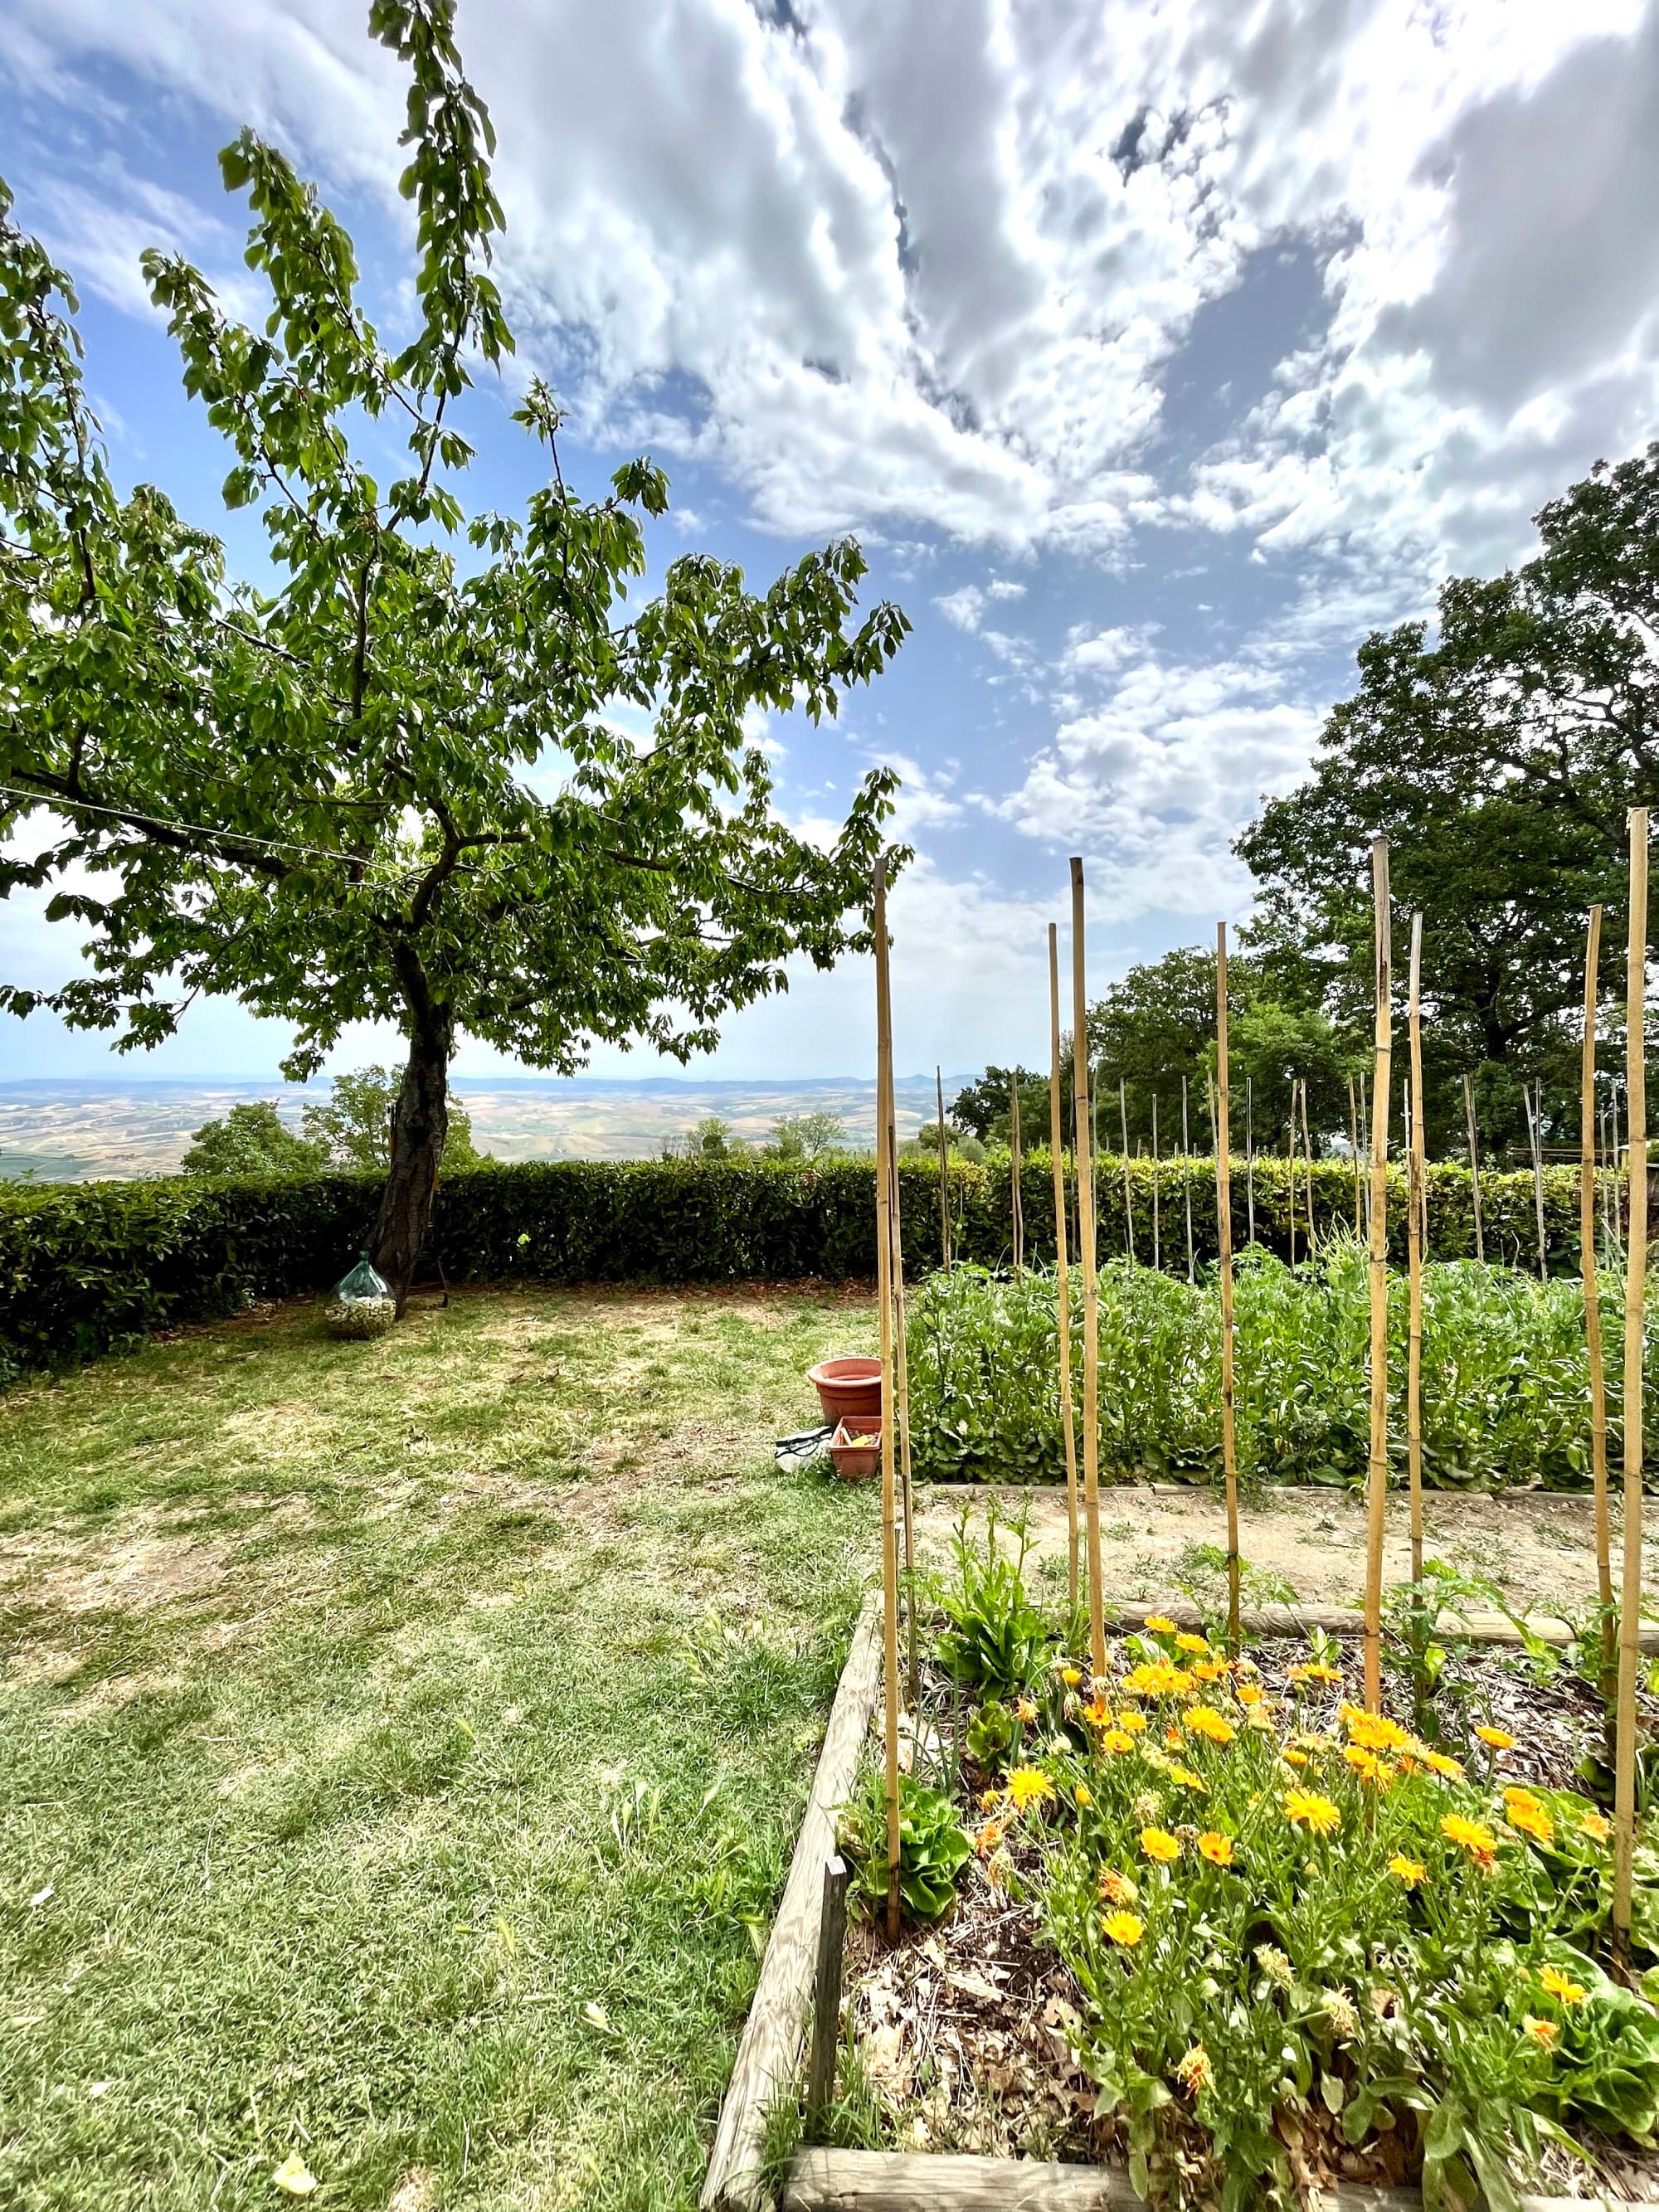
column 855, row 1448
column 848, row 1386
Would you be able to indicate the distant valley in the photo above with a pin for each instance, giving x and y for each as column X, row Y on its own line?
column 91, row 1130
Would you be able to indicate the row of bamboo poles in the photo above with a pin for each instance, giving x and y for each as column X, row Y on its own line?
column 1082, row 1498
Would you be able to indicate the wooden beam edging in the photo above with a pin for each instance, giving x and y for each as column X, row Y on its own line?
column 919, row 2181
column 1347, row 1620
column 769, row 2051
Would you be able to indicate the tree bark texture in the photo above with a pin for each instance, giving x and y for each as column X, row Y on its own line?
column 420, row 1122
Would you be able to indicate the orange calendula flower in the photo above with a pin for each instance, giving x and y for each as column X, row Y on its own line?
column 1099, row 1713
column 1365, row 1764
column 1116, row 1888
column 1125, row 1928
column 1198, row 1645
column 1027, row 1786
column 1194, row 2072
column 1306, row 1808
column 1172, row 1738
column 1543, row 2032
column 1249, row 1693
column 1214, row 1727
column 1596, row 1826
column 1117, row 1740
column 1158, row 1625
column 1160, row 1845
column 990, row 1836
column 1410, row 1871
column 1215, row 1847
column 1529, row 1817
column 1442, row 1764
column 1024, row 1710
column 1555, row 1983
column 1208, row 1670
column 1156, row 1678
column 1496, row 1739
column 1473, row 1837
column 1373, row 1731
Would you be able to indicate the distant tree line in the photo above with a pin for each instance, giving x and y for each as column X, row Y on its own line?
column 349, row 1129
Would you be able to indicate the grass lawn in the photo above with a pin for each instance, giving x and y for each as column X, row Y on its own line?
column 402, row 1744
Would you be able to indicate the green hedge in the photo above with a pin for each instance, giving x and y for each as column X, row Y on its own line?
column 86, row 1266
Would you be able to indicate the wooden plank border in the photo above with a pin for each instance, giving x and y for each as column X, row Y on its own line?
column 917, row 2181
column 769, row 2052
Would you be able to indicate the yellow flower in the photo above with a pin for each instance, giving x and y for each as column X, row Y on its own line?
column 1156, row 1678
column 1410, row 1871
column 1208, row 1670
column 987, row 1798
column 1312, row 1671
column 1249, row 1693
column 1558, row 1984
column 1027, row 1786
column 1099, row 1714
column 1083, row 1795
column 1366, row 1765
column 1172, row 1738
column 1204, row 1721
column 1526, row 1813
column 1198, row 1645
column 1158, row 1625
column 1194, row 2072
column 1116, row 1888
column 1160, row 1845
column 1294, row 1757
column 1596, row 1826
column 1306, row 1808
column 1440, row 1762
column 1118, row 1741
column 1125, row 1928
column 1071, row 1676
column 1473, row 1837
column 1496, row 1738
column 1133, row 1723
column 1543, row 2032
column 1373, row 1731
column 1215, row 1847
column 1187, row 1779
column 1024, row 1710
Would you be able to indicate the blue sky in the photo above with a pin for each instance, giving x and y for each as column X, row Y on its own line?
column 1155, row 351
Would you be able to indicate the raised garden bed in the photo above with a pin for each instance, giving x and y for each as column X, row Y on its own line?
column 973, row 2049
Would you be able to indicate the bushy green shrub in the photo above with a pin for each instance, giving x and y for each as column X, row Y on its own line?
column 1505, row 1376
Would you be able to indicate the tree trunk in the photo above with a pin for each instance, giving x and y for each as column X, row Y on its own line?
column 420, row 1122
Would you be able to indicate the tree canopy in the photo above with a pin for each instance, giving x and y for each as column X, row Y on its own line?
column 252, row 1140
column 399, row 784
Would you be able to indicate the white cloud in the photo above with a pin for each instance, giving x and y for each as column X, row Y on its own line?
column 962, row 608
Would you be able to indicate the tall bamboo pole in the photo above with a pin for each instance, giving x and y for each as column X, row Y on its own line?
column 1365, row 1124
column 1080, row 1091
column 1353, row 1151
column 1249, row 1157
column 901, row 1412
column 1307, row 1161
column 1016, row 1198
column 944, row 1175
column 1057, row 1151
column 1157, row 1251
column 1587, row 1181
column 1378, row 1480
column 1223, row 1215
column 884, row 1297
column 1128, row 1200
column 1415, row 1226
column 1187, row 1179
column 1290, row 1169
column 1635, row 1271
column 1474, row 1165
column 1535, row 1140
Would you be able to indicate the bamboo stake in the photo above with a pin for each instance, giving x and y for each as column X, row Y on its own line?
column 1057, row 1149
column 1474, row 1165
column 1414, row 1242
column 1307, row 1161
column 1586, row 1180
column 1535, row 1140
column 1249, row 1155
column 1185, row 1178
column 901, row 1413
column 1128, row 1198
column 1157, row 1254
column 885, row 1298
column 1365, row 1124
column 1081, row 1089
column 1015, row 1202
column 1223, row 1215
column 1354, row 1150
column 944, row 1175
column 1289, row 1164
column 1377, row 1480
column 1635, row 1271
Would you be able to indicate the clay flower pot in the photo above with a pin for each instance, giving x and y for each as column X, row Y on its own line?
column 855, row 1448
column 847, row 1386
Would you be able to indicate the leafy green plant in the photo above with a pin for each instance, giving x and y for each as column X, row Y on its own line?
column 997, row 1641
column 933, row 1846
column 991, row 1735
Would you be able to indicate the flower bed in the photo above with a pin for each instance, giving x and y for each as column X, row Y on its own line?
column 1206, row 1916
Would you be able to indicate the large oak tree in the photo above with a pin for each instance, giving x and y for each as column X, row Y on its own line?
column 395, row 784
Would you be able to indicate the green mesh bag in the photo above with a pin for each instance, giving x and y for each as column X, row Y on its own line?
column 360, row 1305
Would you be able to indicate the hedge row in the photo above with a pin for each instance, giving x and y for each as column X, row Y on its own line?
column 86, row 1266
